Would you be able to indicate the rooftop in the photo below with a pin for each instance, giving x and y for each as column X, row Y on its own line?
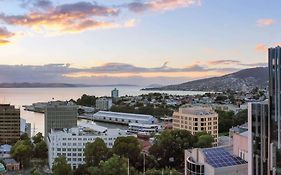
column 219, row 157
column 123, row 115
column 197, row 110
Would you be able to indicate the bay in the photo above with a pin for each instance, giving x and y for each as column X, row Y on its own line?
column 26, row 96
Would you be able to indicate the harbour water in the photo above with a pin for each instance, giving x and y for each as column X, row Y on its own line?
column 27, row 96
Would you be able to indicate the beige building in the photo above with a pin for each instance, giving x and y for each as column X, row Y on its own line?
column 197, row 119
column 59, row 115
column 9, row 124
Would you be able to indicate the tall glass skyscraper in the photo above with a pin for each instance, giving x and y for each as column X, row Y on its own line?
column 274, row 65
column 265, row 123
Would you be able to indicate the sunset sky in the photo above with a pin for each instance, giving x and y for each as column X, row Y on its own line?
column 134, row 41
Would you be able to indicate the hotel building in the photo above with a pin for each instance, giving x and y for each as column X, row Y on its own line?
column 195, row 119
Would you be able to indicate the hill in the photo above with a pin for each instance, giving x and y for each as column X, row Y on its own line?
column 252, row 77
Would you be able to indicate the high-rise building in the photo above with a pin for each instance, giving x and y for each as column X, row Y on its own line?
column 197, row 119
column 265, row 127
column 115, row 93
column 274, row 65
column 60, row 115
column 258, row 138
column 9, row 124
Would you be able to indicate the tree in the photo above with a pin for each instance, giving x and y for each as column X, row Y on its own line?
column 226, row 120
column 113, row 166
column 170, row 145
column 165, row 171
column 21, row 151
column 41, row 150
column 60, row 166
column 95, row 152
column 37, row 138
column 205, row 141
column 128, row 147
column 87, row 100
column 35, row 171
column 82, row 169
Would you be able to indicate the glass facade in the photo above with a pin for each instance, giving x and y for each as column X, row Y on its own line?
column 194, row 168
column 274, row 64
column 260, row 139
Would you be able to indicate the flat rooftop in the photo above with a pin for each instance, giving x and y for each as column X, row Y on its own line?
column 123, row 115
column 219, row 157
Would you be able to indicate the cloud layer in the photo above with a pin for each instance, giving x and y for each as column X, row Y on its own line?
column 110, row 73
column 43, row 15
column 5, row 35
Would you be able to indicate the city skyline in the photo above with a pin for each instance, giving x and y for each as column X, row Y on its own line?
column 133, row 42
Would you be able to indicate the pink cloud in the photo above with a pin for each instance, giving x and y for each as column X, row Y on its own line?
column 265, row 22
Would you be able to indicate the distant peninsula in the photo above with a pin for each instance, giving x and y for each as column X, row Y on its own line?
column 54, row 85
column 246, row 78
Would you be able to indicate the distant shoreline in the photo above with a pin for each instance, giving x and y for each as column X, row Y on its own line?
column 56, row 85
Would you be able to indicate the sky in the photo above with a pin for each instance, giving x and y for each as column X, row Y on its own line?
column 137, row 42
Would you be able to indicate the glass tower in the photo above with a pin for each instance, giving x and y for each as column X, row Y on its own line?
column 274, row 65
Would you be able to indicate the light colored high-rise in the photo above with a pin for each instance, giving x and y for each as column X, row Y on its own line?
column 115, row 93
column 60, row 115
column 197, row 119
column 9, row 124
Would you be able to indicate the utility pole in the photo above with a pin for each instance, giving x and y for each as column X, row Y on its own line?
column 143, row 163
column 128, row 166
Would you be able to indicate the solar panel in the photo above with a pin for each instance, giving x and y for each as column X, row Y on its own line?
column 219, row 157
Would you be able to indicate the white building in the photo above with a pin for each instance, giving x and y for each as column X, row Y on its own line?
column 214, row 161
column 71, row 142
column 123, row 118
column 103, row 104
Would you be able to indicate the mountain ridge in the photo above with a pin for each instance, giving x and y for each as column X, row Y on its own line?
column 252, row 77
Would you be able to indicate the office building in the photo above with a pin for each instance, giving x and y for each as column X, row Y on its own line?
column 265, row 123
column 60, row 115
column 9, row 124
column 195, row 119
column 214, row 161
column 258, row 138
column 123, row 118
column 115, row 93
column 274, row 65
column 71, row 142
column 103, row 104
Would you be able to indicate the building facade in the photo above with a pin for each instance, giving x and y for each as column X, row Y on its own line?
column 71, row 143
column 123, row 118
column 197, row 119
column 258, row 138
column 274, row 65
column 60, row 115
column 103, row 104
column 9, row 124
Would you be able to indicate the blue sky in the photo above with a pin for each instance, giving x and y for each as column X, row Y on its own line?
column 166, row 41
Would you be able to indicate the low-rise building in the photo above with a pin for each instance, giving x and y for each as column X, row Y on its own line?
column 123, row 118
column 103, row 104
column 196, row 119
column 5, row 151
column 214, row 161
column 71, row 142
